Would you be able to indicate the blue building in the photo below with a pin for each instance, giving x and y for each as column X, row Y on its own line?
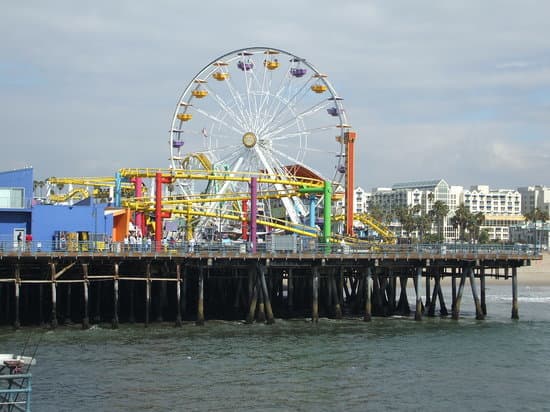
column 49, row 225
column 16, row 194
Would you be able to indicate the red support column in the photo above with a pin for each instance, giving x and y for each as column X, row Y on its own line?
column 349, row 140
column 253, row 213
column 138, row 193
column 244, row 228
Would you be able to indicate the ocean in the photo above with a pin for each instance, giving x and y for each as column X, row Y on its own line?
column 295, row 365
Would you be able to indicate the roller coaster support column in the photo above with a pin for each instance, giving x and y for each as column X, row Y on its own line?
column 327, row 207
column 312, row 210
column 118, row 189
column 327, row 212
column 253, row 212
column 244, row 229
column 159, row 214
column 140, row 221
column 349, row 141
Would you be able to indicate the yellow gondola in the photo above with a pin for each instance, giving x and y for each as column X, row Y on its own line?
column 199, row 94
column 271, row 64
column 319, row 88
column 184, row 116
column 220, row 76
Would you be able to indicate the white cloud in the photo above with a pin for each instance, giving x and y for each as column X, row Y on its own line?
column 434, row 89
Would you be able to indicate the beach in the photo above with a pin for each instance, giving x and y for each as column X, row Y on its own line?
column 538, row 274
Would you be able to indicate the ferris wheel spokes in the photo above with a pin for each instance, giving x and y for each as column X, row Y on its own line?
column 289, row 103
column 289, row 122
column 214, row 118
column 263, row 120
column 239, row 119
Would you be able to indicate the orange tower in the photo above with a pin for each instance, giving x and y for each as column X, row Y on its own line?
column 349, row 141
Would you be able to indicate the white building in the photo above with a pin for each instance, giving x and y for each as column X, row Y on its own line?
column 361, row 200
column 501, row 207
column 534, row 197
column 496, row 202
column 423, row 194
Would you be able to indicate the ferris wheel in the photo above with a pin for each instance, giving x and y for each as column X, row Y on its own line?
column 260, row 110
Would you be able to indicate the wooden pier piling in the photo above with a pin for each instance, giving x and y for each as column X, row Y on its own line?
column 515, row 311
column 477, row 303
column 482, row 290
column 17, row 285
column 53, row 318
column 86, row 284
column 458, row 299
column 178, row 295
column 368, row 294
column 115, row 298
column 200, row 299
column 315, row 295
column 418, row 287
column 148, row 294
column 268, row 309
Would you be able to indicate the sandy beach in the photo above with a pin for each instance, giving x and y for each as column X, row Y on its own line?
column 536, row 274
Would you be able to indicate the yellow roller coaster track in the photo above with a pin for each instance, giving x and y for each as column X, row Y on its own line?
column 223, row 175
column 87, row 181
column 77, row 194
column 262, row 220
column 386, row 234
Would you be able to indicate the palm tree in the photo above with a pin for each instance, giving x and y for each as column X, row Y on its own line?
column 38, row 184
column 423, row 224
column 474, row 224
column 460, row 220
column 376, row 212
column 406, row 216
column 439, row 211
column 536, row 215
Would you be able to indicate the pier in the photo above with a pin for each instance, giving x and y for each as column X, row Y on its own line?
column 212, row 281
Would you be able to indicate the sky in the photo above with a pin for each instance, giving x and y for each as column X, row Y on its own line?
column 458, row 90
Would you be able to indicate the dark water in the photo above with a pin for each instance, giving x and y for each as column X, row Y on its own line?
column 387, row 364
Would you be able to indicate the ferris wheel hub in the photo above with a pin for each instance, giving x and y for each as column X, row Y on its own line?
column 249, row 139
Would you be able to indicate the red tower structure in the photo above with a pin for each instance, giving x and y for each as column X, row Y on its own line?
column 349, row 141
column 159, row 214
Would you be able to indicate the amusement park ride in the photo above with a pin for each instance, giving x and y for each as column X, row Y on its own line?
column 258, row 139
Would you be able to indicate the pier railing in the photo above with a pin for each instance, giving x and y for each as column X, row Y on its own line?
column 15, row 392
column 94, row 248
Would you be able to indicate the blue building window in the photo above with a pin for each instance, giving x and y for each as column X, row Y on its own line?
column 12, row 198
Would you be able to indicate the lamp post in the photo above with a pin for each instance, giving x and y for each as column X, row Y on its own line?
column 94, row 214
column 536, row 243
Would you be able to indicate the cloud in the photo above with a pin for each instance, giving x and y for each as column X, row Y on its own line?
column 434, row 89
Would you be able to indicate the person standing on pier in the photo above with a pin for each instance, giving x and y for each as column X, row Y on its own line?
column 28, row 241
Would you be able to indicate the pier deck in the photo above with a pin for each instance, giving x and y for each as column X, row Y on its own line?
column 216, row 282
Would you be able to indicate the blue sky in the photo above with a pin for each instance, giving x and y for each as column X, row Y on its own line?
column 434, row 89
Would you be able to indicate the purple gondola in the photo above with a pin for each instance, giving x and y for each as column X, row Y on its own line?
column 333, row 111
column 298, row 71
column 245, row 66
column 176, row 144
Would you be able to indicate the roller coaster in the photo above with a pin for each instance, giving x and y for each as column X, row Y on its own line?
column 252, row 150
